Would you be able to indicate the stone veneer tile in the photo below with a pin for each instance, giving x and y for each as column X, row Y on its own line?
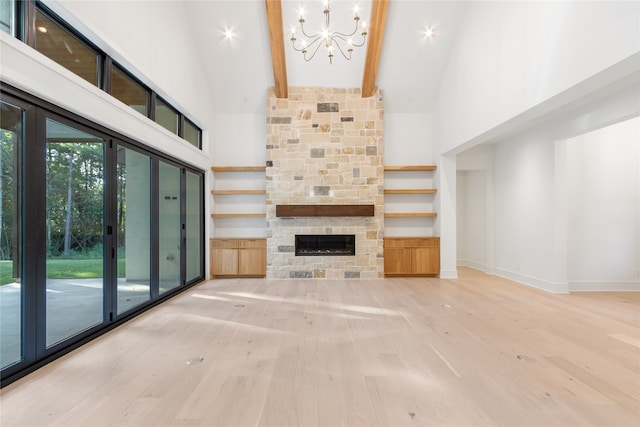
column 304, row 114
column 301, row 274
column 280, row 120
column 317, row 153
column 321, row 190
column 328, row 107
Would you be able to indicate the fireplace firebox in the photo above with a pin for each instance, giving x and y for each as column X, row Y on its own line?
column 325, row 245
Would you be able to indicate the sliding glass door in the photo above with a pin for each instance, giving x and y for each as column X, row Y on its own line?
column 94, row 228
column 170, row 226
column 11, row 289
column 133, row 236
column 194, row 226
column 74, row 238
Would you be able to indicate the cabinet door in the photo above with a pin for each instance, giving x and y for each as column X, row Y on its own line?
column 397, row 261
column 224, row 261
column 425, row 260
column 252, row 243
column 252, row 262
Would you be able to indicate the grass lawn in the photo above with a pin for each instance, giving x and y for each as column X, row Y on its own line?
column 65, row 269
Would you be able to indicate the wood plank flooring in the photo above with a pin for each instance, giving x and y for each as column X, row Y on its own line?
column 477, row 351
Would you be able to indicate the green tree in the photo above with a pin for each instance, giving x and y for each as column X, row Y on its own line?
column 74, row 197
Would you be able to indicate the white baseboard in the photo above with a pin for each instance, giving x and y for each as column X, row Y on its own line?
column 472, row 264
column 604, row 286
column 534, row 282
column 448, row 274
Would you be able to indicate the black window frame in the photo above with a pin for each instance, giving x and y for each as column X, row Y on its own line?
column 184, row 120
column 173, row 109
column 110, row 66
column 25, row 17
column 14, row 19
column 32, row 35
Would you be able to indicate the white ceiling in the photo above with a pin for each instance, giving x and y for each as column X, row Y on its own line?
column 239, row 70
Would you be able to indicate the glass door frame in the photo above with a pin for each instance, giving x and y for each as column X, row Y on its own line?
column 32, row 171
column 38, row 156
column 26, row 244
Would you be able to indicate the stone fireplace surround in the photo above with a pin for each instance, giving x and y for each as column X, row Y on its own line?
column 324, row 147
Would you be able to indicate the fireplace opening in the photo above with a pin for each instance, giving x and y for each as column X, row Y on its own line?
column 325, row 245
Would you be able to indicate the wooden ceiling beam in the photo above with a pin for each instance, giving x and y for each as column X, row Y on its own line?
column 276, row 38
column 374, row 46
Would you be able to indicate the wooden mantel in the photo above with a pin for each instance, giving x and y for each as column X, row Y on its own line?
column 323, row 210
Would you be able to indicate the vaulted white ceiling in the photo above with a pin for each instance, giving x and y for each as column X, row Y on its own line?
column 239, row 70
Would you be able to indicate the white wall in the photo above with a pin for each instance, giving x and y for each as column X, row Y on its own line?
column 561, row 215
column 521, row 64
column 604, row 208
column 513, row 56
column 158, row 49
column 238, row 140
column 472, row 219
column 408, row 139
column 461, row 215
column 523, row 177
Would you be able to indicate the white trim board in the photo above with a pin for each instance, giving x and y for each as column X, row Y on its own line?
column 604, row 286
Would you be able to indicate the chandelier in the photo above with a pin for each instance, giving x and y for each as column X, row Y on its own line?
column 332, row 40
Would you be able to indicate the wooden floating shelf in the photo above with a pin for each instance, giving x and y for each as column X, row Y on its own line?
column 238, row 215
column 324, row 210
column 228, row 192
column 410, row 214
column 411, row 191
column 238, row 168
column 411, row 168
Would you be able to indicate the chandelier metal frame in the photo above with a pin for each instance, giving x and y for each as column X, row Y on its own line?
column 330, row 38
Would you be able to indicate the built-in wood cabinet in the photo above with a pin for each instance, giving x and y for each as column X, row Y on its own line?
column 252, row 257
column 238, row 257
column 409, row 207
column 238, row 221
column 411, row 256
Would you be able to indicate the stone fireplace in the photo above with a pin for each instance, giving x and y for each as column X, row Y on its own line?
column 324, row 149
column 325, row 245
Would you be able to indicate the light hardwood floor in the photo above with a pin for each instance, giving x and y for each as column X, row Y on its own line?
column 478, row 351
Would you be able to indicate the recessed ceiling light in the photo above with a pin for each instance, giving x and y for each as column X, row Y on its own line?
column 429, row 33
column 42, row 29
column 228, row 34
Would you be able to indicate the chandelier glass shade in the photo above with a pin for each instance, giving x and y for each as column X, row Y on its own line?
column 332, row 40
